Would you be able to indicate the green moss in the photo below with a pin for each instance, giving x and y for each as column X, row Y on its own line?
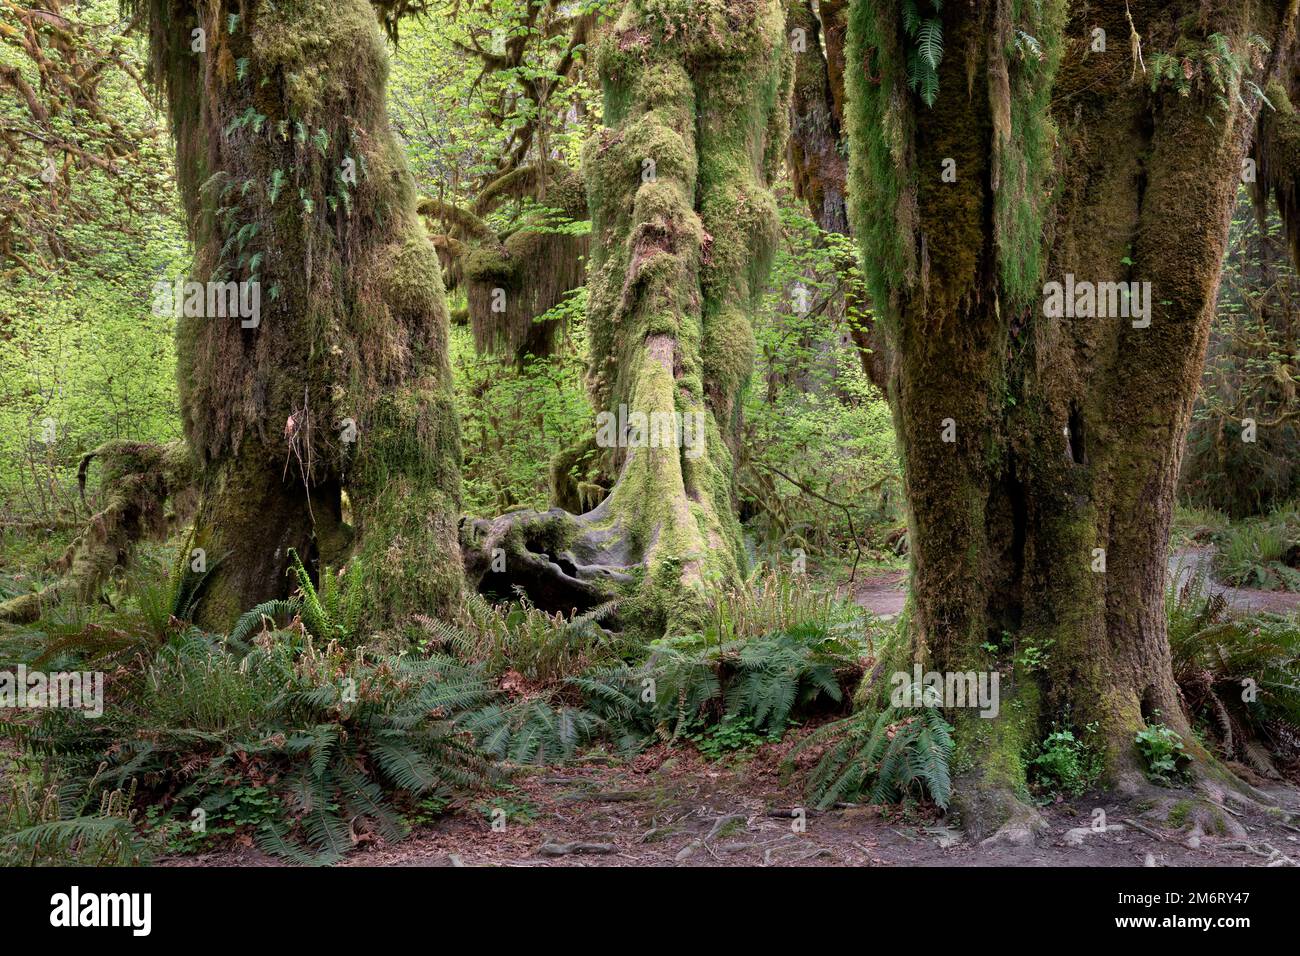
column 353, row 313
column 1179, row 814
column 681, row 249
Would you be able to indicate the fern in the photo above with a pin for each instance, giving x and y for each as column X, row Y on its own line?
column 763, row 681
column 207, row 712
column 926, row 49
column 61, row 826
column 885, row 756
column 1216, row 657
column 314, row 615
column 257, row 618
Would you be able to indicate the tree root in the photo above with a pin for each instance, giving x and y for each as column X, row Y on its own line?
column 720, row 824
column 551, row 848
column 562, row 562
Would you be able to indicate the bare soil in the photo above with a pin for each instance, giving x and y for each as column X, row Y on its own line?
column 675, row 808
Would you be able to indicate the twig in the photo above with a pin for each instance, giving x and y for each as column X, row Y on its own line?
column 1155, row 834
column 820, row 497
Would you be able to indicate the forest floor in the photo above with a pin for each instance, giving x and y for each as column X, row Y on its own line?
column 676, row 808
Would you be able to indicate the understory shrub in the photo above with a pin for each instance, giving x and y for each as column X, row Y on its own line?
column 1239, row 675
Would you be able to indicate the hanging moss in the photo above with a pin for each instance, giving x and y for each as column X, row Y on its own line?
column 513, row 279
column 882, row 174
column 1041, row 522
column 1026, row 52
column 685, row 229
column 292, row 178
column 683, row 232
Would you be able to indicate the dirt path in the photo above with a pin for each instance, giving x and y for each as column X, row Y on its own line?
column 1185, row 562
column 670, row 808
column 884, row 594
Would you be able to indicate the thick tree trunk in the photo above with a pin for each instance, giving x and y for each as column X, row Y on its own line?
column 1042, row 451
column 292, row 180
column 683, row 232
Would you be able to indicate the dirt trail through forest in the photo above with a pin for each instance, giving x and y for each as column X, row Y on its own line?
column 667, row 808
column 884, row 594
column 673, row 807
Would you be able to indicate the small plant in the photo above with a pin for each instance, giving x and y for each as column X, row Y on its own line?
column 83, row 826
column 925, row 31
column 1251, row 556
column 1034, row 657
column 731, row 734
column 1239, row 676
column 1065, row 764
column 506, row 807
column 1162, row 749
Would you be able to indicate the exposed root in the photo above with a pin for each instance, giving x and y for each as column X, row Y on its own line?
column 551, row 848
column 561, row 561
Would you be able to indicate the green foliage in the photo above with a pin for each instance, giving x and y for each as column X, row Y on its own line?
column 1239, row 676
column 771, row 648
column 1251, row 554
column 538, row 688
column 69, row 826
column 760, row 681
column 1251, row 372
column 815, row 418
column 1211, row 64
column 925, row 31
column 1065, row 764
column 1162, row 750
column 448, row 107
column 330, row 733
column 732, row 733
column 535, row 688
column 516, row 417
column 87, row 188
column 884, row 756
column 332, row 614
column 80, row 347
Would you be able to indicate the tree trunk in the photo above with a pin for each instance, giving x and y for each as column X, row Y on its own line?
column 1041, row 450
column 683, row 232
column 294, row 184
column 816, row 157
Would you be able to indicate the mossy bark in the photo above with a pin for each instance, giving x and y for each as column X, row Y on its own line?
column 1037, row 447
column 683, row 232
column 291, row 178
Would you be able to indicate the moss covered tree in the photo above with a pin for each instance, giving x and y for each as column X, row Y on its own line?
column 683, row 231
column 997, row 146
column 336, row 404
